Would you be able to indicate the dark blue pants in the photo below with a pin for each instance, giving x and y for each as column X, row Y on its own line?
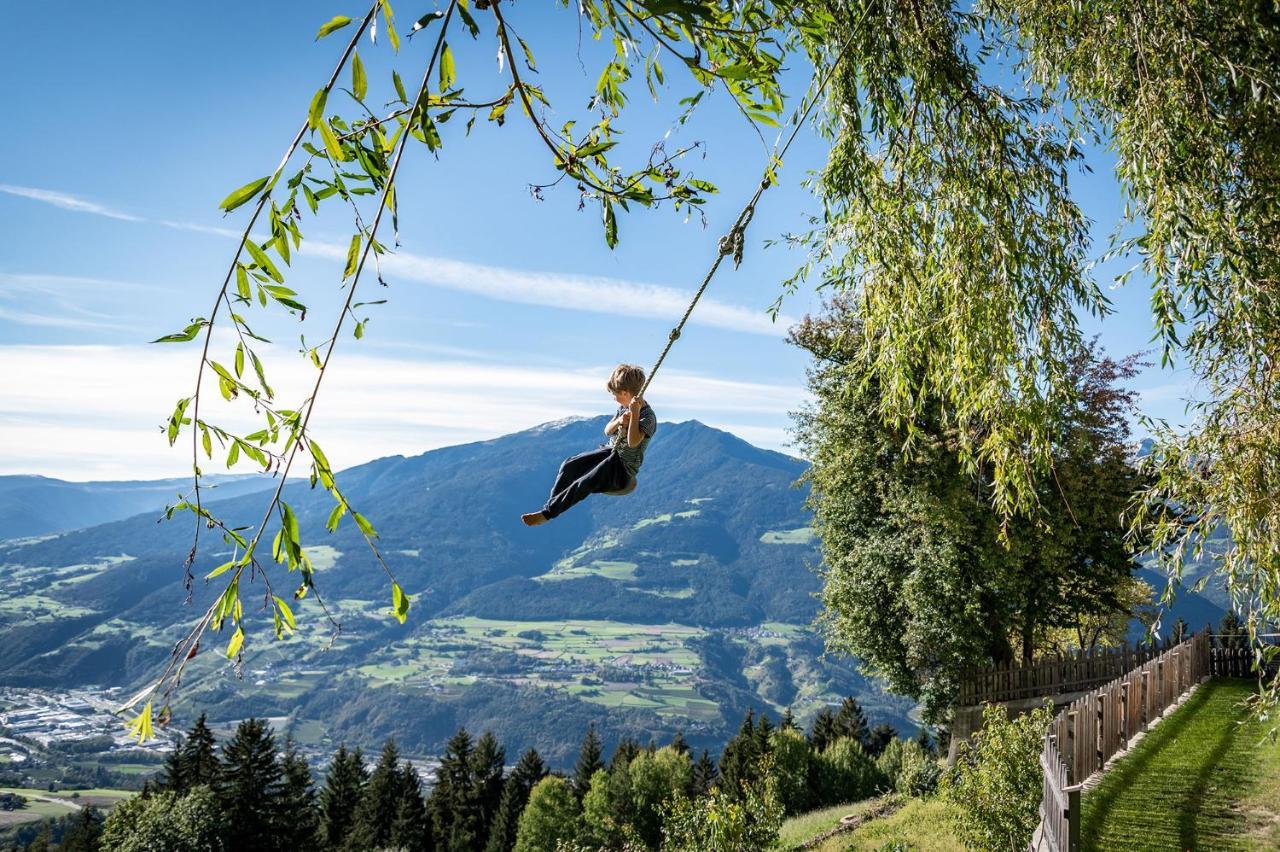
column 586, row 473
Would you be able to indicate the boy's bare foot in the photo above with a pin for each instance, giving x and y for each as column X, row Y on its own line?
column 534, row 518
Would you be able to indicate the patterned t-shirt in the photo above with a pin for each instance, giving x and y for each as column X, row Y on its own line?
column 633, row 457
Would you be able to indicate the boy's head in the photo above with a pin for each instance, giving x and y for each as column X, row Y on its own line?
column 627, row 380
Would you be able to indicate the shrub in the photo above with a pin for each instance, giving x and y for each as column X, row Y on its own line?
column 718, row 823
column 845, row 773
column 996, row 783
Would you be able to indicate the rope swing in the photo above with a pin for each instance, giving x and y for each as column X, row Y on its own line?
column 732, row 242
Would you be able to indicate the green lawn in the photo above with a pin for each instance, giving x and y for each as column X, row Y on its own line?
column 1206, row 777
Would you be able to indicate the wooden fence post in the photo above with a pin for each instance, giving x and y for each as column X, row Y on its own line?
column 1124, row 713
column 1146, row 690
column 1099, row 709
column 1073, row 820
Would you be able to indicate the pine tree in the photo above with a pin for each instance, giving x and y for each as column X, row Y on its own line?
column 679, row 744
column 379, row 803
column 851, row 722
column 739, row 761
column 199, row 758
column 84, row 832
column 622, row 755
column 454, row 805
column 822, row 733
column 879, row 738
column 296, row 815
column 704, row 775
column 249, row 787
column 486, row 769
column 764, row 728
column 515, row 795
column 343, row 789
column 174, row 775
column 411, row 830
column 590, row 758
column 788, row 720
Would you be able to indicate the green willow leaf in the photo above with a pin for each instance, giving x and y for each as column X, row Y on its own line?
column 221, row 569
column 243, row 194
column 334, row 24
column 359, row 82
column 315, row 115
column 399, row 603
column 286, row 612
column 448, row 72
column 353, row 257
column 264, row 262
column 331, row 142
column 236, row 643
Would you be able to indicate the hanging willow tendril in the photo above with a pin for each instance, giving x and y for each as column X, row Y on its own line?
column 739, row 49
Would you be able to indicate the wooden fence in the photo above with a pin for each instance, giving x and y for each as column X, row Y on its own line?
column 1095, row 727
column 1073, row 673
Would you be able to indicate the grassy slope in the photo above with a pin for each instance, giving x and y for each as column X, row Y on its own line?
column 922, row 825
column 1204, row 778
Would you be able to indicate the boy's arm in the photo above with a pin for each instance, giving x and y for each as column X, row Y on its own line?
column 634, row 435
column 612, row 425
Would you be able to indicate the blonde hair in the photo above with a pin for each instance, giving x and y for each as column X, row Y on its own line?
column 626, row 377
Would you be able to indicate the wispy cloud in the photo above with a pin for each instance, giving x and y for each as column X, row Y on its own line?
column 82, row 412
column 569, row 291
column 68, row 202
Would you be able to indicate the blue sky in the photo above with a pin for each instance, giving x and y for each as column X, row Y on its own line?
column 130, row 125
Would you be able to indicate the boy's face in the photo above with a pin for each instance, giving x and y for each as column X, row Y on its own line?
column 623, row 397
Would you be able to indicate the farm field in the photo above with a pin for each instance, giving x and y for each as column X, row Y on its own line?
column 42, row 804
column 1207, row 777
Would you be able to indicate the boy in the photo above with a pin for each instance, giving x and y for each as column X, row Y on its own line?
column 614, row 464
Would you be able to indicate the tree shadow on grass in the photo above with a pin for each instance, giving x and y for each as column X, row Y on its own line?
column 1125, row 774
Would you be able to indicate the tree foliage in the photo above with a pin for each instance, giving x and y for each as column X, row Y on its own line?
column 996, row 783
column 923, row 578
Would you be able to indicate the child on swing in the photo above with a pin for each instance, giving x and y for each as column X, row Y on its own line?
column 615, row 464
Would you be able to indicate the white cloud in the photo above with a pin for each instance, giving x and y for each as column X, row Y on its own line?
column 596, row 294
column 68, row 202
column 94, row 412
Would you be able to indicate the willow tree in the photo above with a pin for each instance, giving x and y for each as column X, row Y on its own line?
column 347, row 152
column 947, row 215
column 945, row 209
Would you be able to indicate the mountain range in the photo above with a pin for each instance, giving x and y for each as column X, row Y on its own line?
column 677, row 607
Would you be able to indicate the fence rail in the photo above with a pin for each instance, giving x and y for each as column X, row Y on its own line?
column 1073, row 673
column 1095, row 727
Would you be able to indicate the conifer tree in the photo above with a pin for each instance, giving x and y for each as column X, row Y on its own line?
column 515, row 795
column 249, row 787
column 704, row 775
column 454, row 805
column 822, row 732
column 926, row 742
column 296, row 815
column 199, row 758
column 788, row 719
column 851, row 722
column 764, row 728
column 343, row 789
column 411, row 831
column 84, row 832
column 627, row 749
column 741, row 755
column 173, row 776
column 679, row 744
column 590, row 758
column 379, row 803
column 486, row 769
column 880, row 737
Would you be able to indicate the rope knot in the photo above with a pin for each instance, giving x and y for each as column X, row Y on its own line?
column 732, row 243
